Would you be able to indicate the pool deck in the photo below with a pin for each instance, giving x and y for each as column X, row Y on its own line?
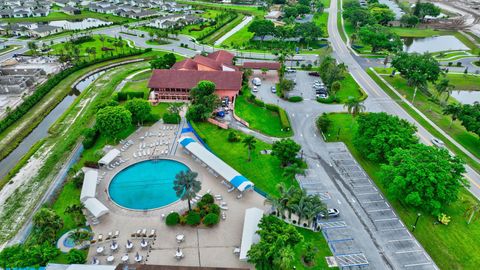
column 203, row 246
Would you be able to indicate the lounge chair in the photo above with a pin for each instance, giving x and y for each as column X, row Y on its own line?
column 144, row 232
column 139, row 233
column 152, row 233
column 135, row 155
column 224, row 207
column 100, row 238
column 109, row 236
column 117, row 233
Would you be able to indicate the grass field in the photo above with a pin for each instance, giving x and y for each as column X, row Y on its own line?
column 424, row 123
column 208, row 14
column 96, row 43
column 222, row 31
column 145, row 75
column 321, row 20
column 70, row 195
column 240, row 38
column 260, row 119
column 350, row 88
column 452, row 247
column 318, row 242
column 239, row 8
column 137, row 86
column 57, row 16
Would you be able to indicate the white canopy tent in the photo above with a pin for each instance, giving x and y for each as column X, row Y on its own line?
column 89, row 187
column 216, row 164
column 95, row 207
column 109, row 157
column 250, row 227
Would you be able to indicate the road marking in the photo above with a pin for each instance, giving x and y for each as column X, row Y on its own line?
column 471, row 180
column 315, row 134
column 369, row 193
column 374, row 201
column 353, row 200
column 409, row 251
column 339, row 202
column 318, row 165
column 379, row 210
column 417, row 264
column 385, row 219
column 400, row 240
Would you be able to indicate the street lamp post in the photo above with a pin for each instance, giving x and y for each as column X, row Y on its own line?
column 416, row 220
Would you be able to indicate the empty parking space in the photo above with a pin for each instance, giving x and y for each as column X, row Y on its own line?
column 344, row 247
column 374, row 197
column 412, row 260
column 382, row 215
column 352, row 261
column 401, row 246
column 332, row 224
column 338, row 234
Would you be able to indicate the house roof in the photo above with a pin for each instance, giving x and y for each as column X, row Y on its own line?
column 188, row 64
column 187, row 79
column 221, row 56
column 171, row 267
column 260, row 65
column 207, row 61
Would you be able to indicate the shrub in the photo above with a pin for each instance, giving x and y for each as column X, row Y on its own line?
column 232, row 137
column 121, row 96
column 323, row 122
column 193, row 218
column 271, row 107
column 90, row 137
column 75, row 256
column 211, row 219
column 132, row 95
column 295, row 99
column 172, row 219
column 171, row 118
column 284, row 119
column 450, row 64
column 459, row 64
column 328, row 100
column 90, row 164
column 214, row 208
column 259, row 103
column 208, row 199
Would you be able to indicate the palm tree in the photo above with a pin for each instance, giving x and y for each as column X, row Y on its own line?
column 93, row 51
column 353, row 38
column 291, row 171
column 187, row 186
column 249, row 142
column 316, row 206
column 33, row 47
column 354, row 106
column 454, row 111
column 80, row 235
column 444, row 86
column 286, row 196
column 472, row 210
column 276, row 204
column 300, row 208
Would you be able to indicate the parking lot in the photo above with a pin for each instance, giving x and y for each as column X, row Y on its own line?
column 304, row 84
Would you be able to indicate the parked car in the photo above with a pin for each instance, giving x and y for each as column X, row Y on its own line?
column 289, row 70
column 273, row 89
column 256, row 81
column 331, row 212
column 255, row 89
column 315, row 74
column 322, row 95
column 438, row 143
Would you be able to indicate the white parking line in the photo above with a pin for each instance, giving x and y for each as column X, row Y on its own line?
column 368, row 185
column 389, row 230
column 339, row 202
column 368, row 193
column 379, row 210
column 409, row 251
column 400, row 240
column 416, row 264
column 385, row 219
column 374, row 201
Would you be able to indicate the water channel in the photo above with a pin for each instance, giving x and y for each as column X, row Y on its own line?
column 393, row 6
column 466, row 97
column 41, row 131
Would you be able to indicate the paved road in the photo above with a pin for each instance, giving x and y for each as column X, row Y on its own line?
column 237, row 28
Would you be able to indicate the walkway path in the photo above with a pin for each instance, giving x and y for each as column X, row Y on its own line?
column 237, row 28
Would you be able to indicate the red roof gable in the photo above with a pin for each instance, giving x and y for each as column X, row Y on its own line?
column 187, row 79
column 205, row 61
column 185, row 64
column 222, row 56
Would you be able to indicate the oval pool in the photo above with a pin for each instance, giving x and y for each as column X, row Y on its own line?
column 146, row 185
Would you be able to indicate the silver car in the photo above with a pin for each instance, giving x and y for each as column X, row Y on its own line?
column 438, row 143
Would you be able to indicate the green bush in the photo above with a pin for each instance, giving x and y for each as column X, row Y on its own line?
column 233, row 137
column 214, row 208
column 132, row 95
column 193, row 218
column 171, row 118
column 121, row 96
column 271, row 107
column 90, row 137
column 211, row 219
column 284, row 119
column 328, row 100
column 208, row 199
column 172, row 219
column 75, row 256
column 259, row 103
column 295, row 99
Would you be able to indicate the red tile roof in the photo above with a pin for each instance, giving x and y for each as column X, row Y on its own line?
column 222, row 56
column 260, row 65
column 187, row 79
column 205, row 61
column 185, row 64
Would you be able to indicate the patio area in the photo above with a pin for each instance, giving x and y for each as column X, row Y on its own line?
column 201, row 246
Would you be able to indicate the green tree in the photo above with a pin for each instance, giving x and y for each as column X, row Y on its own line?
column 323, row 122
column 378, row 134
column 139, row 108
column 409, row 20
column 79, row 236
column 75, row 256
column 444, row 87
column 261, row 28
column 76, row 211
column 46, row 224
column 357, row 15
column 454, row 111
column 292, row 170
column 286, row 150
column 354, row 106
column 273, row 249
column 187, row 186
column 470, row 117
column 32, row 46
column 380, row 38
column 381, row 13
column 204, row 101
column 249, row 143
column 335, row 88
column 113, row 120
column 425, row 9
column 424, row 177
column 330, row 71
column 163, row 62
column 308, row 32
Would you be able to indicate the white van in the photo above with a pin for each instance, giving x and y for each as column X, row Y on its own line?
column 256, row 81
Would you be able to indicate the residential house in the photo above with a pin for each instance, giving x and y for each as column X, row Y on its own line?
column 71, row 10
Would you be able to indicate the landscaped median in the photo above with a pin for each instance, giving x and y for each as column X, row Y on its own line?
column 452, row 246
column 434, row 112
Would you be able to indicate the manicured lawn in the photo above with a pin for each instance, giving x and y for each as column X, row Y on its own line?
column 57, row 16
column 417, row 32
column 70, row 195
column 225, row 29
column 465, row 82
column 452, row 247
column 263, row 170
column 193, row 30
column 137, row 86
column 349, row 89
column 95, row 43
column 160, row 109
column 260, row 119
column 240, row 38
column 142, row 76
column 318, row 242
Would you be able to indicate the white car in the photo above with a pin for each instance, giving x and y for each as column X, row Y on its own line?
column 257, row 81
column 438, row 143
column 332, row 212
column 255, row 89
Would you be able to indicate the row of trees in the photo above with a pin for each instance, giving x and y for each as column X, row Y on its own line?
column 306, row 32
column 468, row 114
column 424, row 177
column 203, row 101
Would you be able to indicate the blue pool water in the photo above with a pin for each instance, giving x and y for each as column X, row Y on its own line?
column 146, row 185
column 68, row 242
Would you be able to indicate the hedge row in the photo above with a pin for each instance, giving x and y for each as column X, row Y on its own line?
column 218, row 26
column 45, row 88
column 122, row 96
column 284, row 119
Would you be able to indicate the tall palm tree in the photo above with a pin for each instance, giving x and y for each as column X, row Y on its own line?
column 187, row 186
column 286, row 196
column 444, row 86
column 33, row 47
column 291, row 171
column 354, row 106
column 249, row 142
column 454, row 111
column 276, row 205
column 300, row 208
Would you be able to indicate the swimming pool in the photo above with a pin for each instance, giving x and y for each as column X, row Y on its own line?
column 146, row 185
